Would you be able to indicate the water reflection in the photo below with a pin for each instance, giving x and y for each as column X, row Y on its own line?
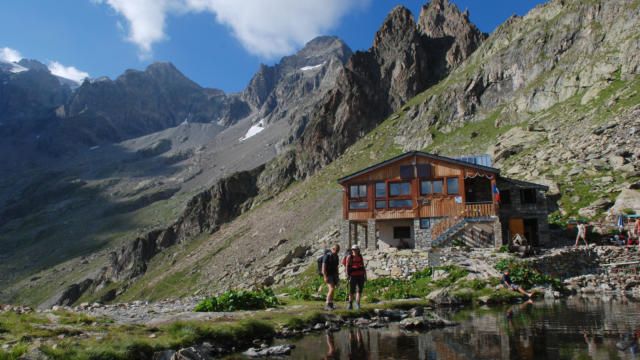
column 576, row 328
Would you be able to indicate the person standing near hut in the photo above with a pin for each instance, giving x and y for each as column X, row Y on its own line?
column 582, row 234
column 356, row 275
column 330, row 272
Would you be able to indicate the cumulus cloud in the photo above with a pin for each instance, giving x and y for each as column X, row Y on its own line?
column 9, row 55
column 265, row 28
column 68, row 72
column 146, row 19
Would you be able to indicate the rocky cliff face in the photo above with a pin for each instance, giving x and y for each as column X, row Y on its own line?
column 404, row 59
column 158, row 98
column 289, row 90
column 27, row 98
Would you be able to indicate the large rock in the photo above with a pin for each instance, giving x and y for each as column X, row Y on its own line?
column 627, row 199
column 425, row 322
column 442, row 297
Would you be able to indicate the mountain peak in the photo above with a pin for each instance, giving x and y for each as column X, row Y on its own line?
column 33, row 64
column 439, row 19
column 398, row 27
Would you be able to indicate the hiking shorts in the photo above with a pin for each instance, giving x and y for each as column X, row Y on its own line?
column 333, row 279
column 357, row 282
column 515, row 287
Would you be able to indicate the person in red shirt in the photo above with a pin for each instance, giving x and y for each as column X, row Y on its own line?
column 356, row 275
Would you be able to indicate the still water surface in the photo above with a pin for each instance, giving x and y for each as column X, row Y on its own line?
column 575, row 328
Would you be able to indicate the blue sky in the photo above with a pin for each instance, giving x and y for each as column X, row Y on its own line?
column 216, row 43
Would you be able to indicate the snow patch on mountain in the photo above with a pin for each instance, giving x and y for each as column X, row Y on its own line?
column 307, row 68
column 254, row 130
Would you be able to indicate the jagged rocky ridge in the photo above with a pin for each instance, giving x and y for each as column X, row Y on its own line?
column 404, row 59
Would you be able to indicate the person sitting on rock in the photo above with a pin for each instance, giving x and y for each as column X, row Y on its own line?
column 506, row 280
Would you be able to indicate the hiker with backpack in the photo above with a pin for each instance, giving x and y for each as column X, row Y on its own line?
column 330, row 262
column 356, row 275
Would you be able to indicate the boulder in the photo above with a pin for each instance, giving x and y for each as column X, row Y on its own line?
column 424, row 323
column 442, row 297
column 278, row 350
column 627, row 199
column 34, row 354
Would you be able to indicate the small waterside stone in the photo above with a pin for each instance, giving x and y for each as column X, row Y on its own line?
column 278, row 350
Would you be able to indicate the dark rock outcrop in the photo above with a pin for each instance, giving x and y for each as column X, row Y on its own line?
column 450, row 31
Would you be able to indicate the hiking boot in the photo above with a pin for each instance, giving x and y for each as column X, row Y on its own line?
column 357, row 305
column 328, row 307
column 350, row 306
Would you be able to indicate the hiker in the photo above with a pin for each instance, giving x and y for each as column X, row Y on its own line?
column 582, row 233
column 356, row 275
column 506, row 280
column 330, row 273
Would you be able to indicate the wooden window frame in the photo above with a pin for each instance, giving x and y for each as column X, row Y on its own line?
column 441, row 194
column 409, row 196
column 447, row 182
column 359, row 199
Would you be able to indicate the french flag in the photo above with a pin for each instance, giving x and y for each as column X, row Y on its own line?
column 496, row 192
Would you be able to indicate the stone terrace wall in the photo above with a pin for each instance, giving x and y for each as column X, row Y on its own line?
column 568, row 262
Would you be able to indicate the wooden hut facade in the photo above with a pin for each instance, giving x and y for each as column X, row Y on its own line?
column 421, row 200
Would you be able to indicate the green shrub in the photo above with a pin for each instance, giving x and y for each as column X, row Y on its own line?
column 455, row 274
column 629, row 211
column 525, row 276
column 233, row 300
column 503, row 249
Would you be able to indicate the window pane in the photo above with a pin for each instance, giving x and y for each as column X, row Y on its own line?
column 425, row 223
column 381, row 190
column 452, row 186
column 358, row 205
column 353, row 191
column 437, row 186
column 397, row 189
column 400, row 203
column 425, row 187
column 394, row 189
column 363, row 191
column 405, row 188
column 381, row 204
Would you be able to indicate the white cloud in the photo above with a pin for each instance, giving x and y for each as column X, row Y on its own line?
column 9, row 55
column 68, row 72
column 265, row 28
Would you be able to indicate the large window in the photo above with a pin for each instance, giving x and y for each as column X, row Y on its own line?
column 381, row 190
column 358, row 191
column 528, row 196
column 452, row 186
column 401, row 232
column 400, row 189
column 381, row 204
column 400, row 203
column 431, row 187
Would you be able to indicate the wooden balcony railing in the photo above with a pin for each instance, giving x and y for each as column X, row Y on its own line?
column 459, row 214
